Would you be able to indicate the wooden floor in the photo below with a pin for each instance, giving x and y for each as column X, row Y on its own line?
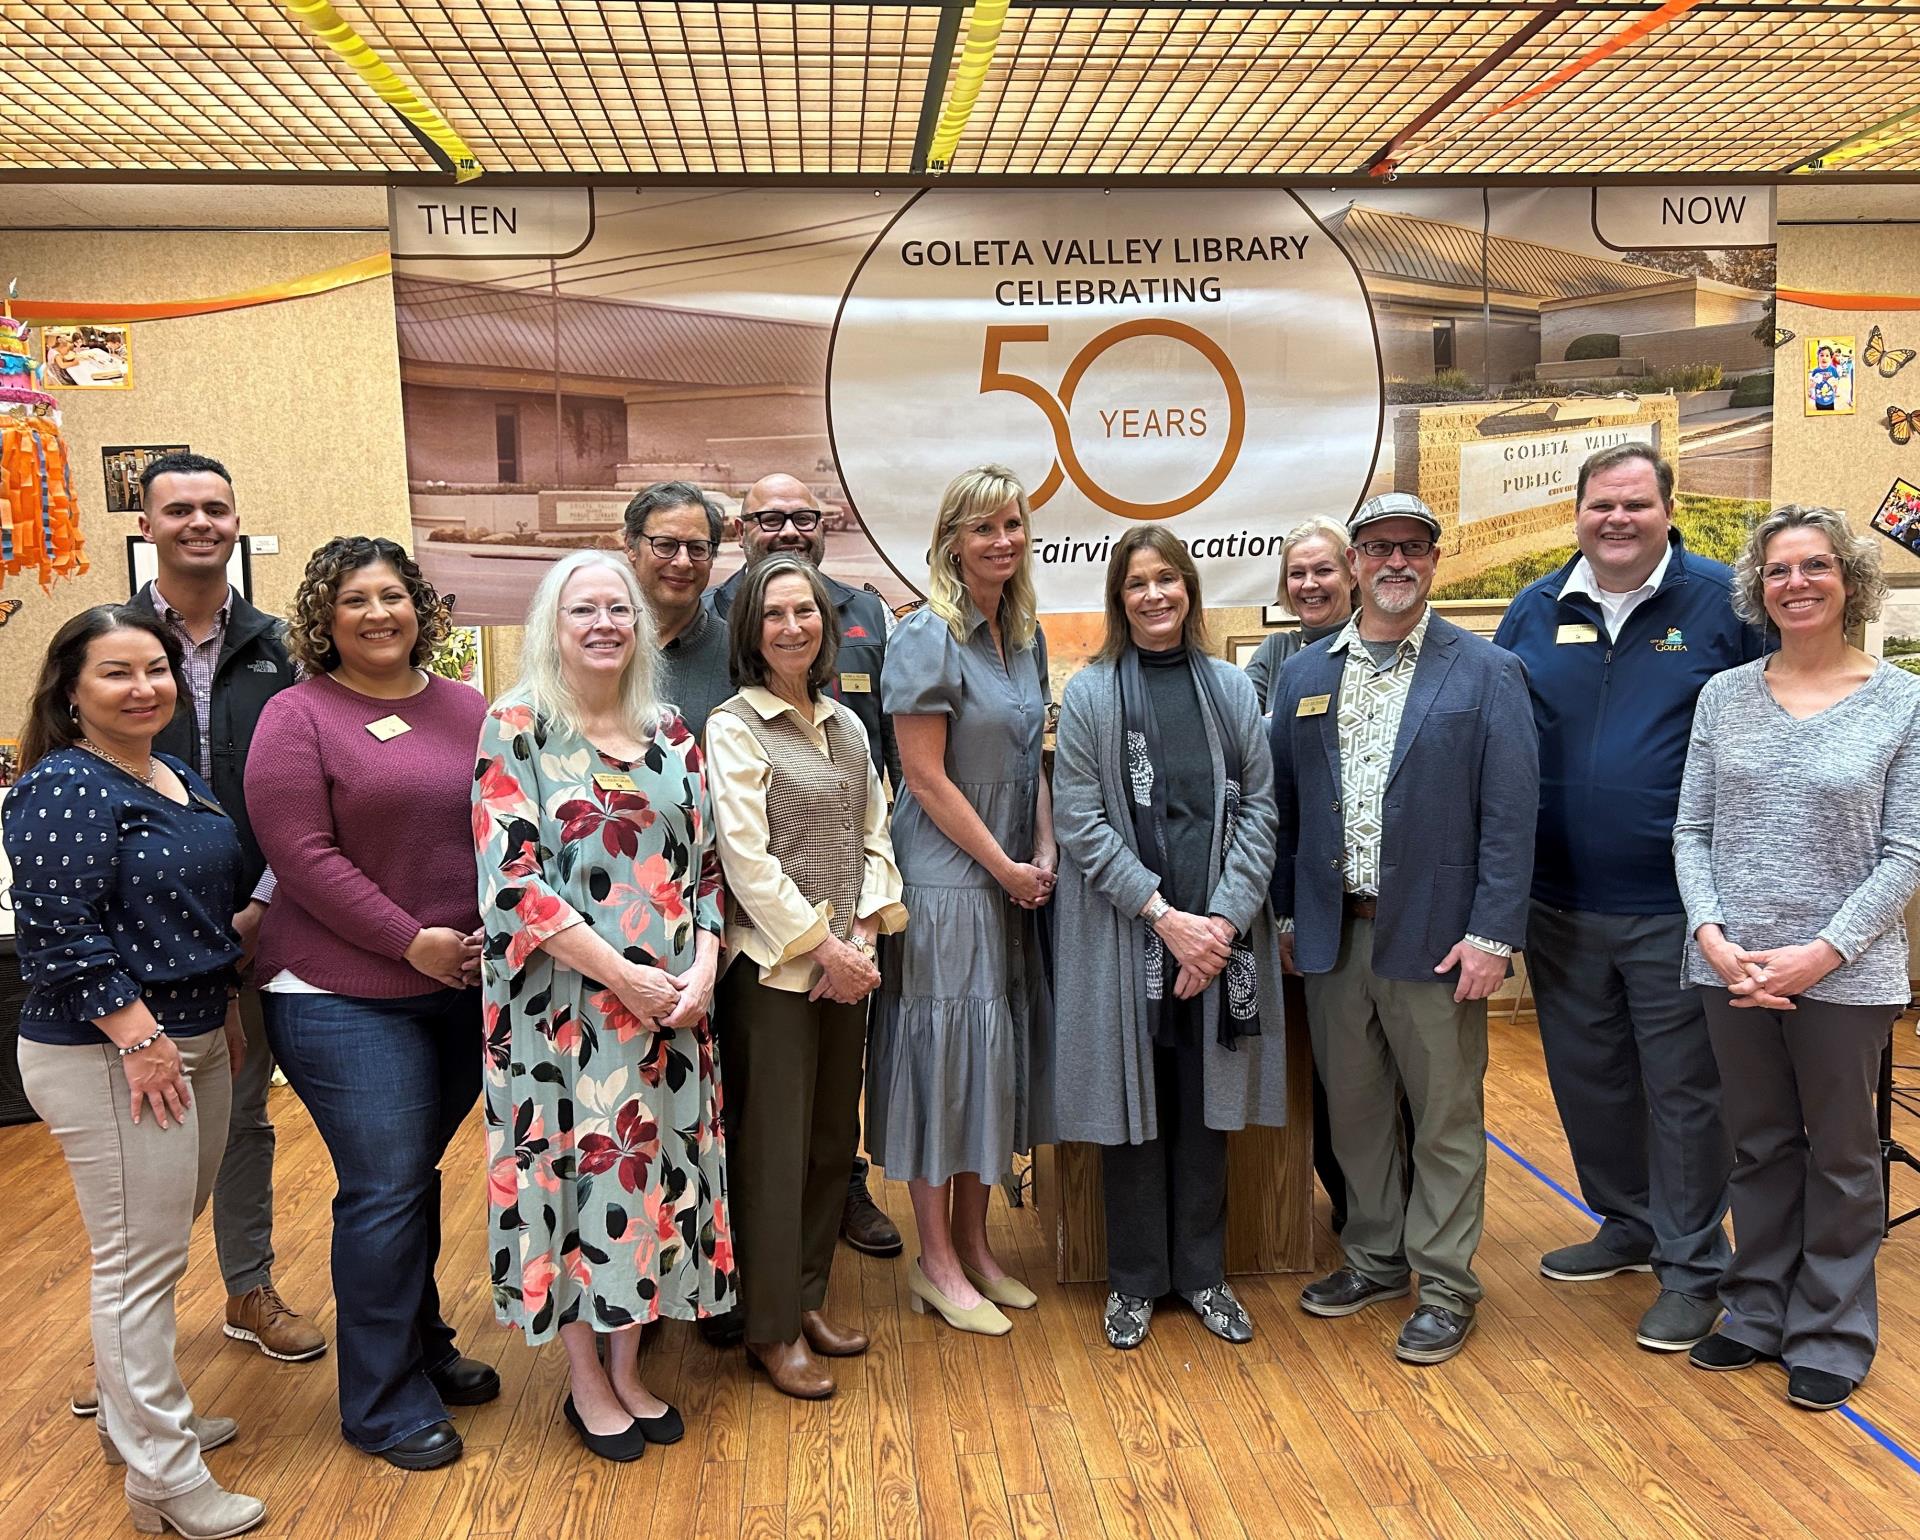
column 1551, row 1423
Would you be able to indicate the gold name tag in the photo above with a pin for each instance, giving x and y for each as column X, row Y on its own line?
column 1581, row 632
column 857, row 684
column 1313, row 705
column 614, row 780
column 389, row 727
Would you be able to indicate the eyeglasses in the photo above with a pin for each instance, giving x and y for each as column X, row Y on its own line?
column 699, row 552
column 621, row 615
column 774, row 519
column 1775, row 573
column 1380, row 550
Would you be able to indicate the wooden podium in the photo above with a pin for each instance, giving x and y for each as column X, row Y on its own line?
column 1269, row 1184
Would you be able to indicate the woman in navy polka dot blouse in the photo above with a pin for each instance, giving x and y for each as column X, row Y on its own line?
column 125, row 875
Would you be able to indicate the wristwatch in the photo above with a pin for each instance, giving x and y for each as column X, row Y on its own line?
column 867, row 949
column 1156, row 906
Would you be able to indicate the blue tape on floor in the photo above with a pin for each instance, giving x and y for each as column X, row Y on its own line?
column 1893, row 1447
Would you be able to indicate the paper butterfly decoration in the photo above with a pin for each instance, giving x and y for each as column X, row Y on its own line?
column 1899, row 423
column 1889, row 361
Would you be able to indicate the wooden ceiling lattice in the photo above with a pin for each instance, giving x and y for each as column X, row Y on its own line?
column 647, row 88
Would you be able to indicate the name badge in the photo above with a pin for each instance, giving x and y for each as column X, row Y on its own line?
column 857, row 684
column 389, row 727
column 1580, row 632
column 614, row 780
column 1313, row 705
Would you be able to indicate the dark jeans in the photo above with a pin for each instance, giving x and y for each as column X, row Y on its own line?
column 387, row 1082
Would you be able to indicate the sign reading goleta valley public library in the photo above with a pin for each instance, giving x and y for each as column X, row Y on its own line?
column 1204, row 360
column 1531, row 470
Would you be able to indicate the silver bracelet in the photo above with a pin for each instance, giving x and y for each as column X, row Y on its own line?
column 145, row 1042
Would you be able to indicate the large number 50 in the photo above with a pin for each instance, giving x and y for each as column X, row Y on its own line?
column 1066, row 465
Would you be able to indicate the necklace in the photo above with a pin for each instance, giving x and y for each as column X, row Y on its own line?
column 145, row 778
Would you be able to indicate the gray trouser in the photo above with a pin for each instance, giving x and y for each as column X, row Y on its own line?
column 140, row 1187
column 243, row 1195
column 1166, row 1200
column 1371, row 1036
column 1638, row 1091
column 1808, row 1209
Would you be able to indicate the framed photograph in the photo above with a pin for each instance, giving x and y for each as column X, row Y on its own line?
column 143, row 566
column 1898, row 516
column 9, row 762
column 1829, row 385
column 86, row 355
column 121, row 465
column 463, row 657
column 1240, row 649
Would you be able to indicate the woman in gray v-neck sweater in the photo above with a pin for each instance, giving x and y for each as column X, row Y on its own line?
column 1797, row 847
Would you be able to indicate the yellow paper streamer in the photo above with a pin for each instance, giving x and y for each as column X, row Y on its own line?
column 379, row 265
column 326, row 23
column 983, row 37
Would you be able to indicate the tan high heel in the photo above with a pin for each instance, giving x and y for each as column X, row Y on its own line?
column 208, row 1512
column 1009, row 1293
column 211, row 1431
column 984, row 1318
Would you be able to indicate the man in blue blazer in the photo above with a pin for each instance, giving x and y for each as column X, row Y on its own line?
column 1407, row 770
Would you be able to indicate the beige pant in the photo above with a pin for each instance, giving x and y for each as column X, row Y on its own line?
column 140, row 1188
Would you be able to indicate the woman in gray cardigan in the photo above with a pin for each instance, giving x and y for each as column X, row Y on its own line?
column 1797, row 847
column 1164, row 813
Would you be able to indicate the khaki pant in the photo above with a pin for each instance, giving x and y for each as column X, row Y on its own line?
column 140, row 1188
column 1371, row 1036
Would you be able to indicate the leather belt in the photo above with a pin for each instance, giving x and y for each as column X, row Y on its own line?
column 1361, row 906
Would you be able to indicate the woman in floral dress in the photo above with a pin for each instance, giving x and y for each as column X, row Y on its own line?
column 599, row 895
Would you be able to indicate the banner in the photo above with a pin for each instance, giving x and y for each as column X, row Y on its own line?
column 1222, row 361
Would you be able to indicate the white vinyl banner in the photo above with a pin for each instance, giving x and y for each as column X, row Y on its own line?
column 1203, row 359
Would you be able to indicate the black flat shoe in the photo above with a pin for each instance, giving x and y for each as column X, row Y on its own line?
column 1817, row 1389
column 667, row 1428
column 434, row 1445
column 465, row 1382
column 723, row 1331
column 1722, row 1353
column 627, row 1445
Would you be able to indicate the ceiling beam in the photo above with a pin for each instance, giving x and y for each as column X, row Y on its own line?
column 939, row 67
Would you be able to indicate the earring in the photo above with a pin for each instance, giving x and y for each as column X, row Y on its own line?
column 73, row 712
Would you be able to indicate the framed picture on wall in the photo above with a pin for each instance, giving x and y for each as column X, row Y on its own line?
column 86, row 355
column 121, row 465
column 143, row 566
column 1240, row 649
column 1829, row 387
column 9, row 762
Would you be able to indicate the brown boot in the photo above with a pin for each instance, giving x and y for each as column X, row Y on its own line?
column 263, row 1318
column 792, row 1368
column 863, row 1225
column 830, row 1337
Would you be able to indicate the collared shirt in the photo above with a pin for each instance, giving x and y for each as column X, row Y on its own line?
column 199, row 660
column 786, row 928
column 1615, row 608
column 1373, row 699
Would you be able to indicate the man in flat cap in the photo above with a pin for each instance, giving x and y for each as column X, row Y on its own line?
column 1407, row 770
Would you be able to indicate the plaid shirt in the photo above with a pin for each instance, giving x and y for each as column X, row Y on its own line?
column 198, row 662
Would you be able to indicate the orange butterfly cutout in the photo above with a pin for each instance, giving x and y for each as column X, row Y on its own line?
column 1889, row 361
column 9, row 608
column 1899, row 423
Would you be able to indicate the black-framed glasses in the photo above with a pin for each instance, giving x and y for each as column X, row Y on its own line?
column 665, row 547
column 806, row 520
column 1380, row 550
column 1777, row 572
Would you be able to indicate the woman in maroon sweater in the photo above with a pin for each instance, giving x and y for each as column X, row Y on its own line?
column 358, row 786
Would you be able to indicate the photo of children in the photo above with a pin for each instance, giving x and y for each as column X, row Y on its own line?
column 86, row 357
column 1829, row 376
column 1898, row 517
column 122, row 464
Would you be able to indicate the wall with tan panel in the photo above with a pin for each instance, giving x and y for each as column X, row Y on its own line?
column 301, row 399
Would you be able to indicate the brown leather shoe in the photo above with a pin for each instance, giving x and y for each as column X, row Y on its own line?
column 864, row 1227
column 792, row 1368
column 263, row 1318
column 830, row 1337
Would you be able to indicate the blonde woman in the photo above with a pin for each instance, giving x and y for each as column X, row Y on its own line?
column 1318, row 588
column 957, row 1063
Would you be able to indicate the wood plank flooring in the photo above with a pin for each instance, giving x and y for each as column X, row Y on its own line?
column 1551, row 1423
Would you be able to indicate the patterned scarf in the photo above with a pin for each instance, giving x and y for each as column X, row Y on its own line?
column 1239, row 1014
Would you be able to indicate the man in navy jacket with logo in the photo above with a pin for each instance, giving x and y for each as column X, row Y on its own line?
column 1617, row 644
column 1405, row 770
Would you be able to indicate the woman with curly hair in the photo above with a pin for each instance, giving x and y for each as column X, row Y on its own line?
column 358, row 784
column 1797, row 847
column 607, row 1187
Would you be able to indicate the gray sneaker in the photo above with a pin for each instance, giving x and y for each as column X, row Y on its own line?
column 1590, row 1261
column 1221, row 1313
column 1675, row 1322
column 1126, row 1320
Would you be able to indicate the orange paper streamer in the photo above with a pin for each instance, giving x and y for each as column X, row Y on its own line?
column 1824, row 301
column 379, row 265
column 42, row 526
column 1673, row 10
